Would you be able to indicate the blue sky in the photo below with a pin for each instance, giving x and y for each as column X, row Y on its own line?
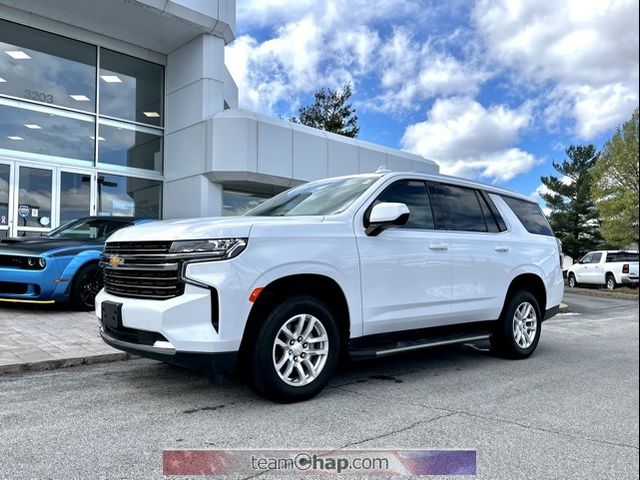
column 491, row 90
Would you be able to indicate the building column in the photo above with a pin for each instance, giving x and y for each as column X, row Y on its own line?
column 195, row 76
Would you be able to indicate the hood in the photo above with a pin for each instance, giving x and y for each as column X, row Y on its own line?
column 197, row 228
column 41, row 245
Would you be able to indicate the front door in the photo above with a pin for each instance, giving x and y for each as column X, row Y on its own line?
column 33, row 200
column 405, row 271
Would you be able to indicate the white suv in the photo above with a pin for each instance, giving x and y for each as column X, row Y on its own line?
column 359, row 266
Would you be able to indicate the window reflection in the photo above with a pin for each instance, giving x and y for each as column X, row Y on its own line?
column 125, row 196
column 235, row 202
column 37, row 132
column 129, row 145
column 130, row 88
column 75, row 196
column 46, row 68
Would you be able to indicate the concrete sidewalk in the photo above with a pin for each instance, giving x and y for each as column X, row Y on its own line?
column 41, row 337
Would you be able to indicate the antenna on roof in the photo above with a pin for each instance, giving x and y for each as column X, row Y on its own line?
column 383, row 169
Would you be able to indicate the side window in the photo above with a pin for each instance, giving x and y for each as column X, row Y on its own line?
column 413, row 193
column 489, row 219
column 596, row 258
column 530, row 215
column 458, row 208
column 587, row 258
column 614, row 257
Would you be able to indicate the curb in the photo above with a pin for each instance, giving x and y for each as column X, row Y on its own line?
column 52, row 364
column 564, row 308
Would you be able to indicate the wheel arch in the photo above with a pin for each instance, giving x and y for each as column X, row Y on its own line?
column 532, row 283
column 323, row 287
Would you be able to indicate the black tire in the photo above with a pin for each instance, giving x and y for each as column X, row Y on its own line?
column 86, row 285
column 610, row 282
column 263, row 376
column 571, row 280
column 503, row 341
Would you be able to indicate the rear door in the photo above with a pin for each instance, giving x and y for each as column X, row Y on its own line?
column 405, row 271
column 480, row 248
column 594, row 269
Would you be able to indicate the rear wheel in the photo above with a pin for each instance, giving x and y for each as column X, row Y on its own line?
column 86, row 285
column 572, row 281
column 610, row 282
column 518, row 330
column 296, row 350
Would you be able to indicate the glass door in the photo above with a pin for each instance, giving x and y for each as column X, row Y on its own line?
column 32, row 208
column 75, row 195
column 5, row 199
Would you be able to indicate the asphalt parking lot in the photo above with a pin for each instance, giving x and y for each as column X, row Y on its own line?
column 570, row 411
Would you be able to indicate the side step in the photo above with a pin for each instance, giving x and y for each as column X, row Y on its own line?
column 390, row 348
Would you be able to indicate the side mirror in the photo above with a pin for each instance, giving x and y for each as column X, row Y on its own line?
column 385, row 215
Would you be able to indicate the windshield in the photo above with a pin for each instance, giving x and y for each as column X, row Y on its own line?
column 323, row 197
column 88, row 228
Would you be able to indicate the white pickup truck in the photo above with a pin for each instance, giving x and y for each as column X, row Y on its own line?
column 609, row 268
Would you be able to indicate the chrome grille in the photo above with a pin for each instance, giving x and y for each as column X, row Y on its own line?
column 142, row 270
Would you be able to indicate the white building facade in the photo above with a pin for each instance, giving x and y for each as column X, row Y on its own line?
column 125, row 107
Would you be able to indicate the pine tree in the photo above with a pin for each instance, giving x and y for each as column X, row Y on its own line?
column 574, row 217
column 331, row 111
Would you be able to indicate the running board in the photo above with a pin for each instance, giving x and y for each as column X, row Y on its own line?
column 410, row 345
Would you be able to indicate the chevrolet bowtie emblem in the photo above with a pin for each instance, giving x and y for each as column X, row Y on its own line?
column 116, row 261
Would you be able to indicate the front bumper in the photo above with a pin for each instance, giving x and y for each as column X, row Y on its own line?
column 31, row 285
column 219, row 362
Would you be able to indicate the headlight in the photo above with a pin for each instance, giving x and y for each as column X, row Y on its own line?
column 221, row 248
column 36, row 262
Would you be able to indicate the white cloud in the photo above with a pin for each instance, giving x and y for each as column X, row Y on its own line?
column 467, row 139
column 586, row 50
column 328, row 43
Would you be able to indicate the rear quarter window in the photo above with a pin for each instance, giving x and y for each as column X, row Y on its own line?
column 530, row 215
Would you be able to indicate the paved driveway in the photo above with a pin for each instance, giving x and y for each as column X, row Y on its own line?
column 570, row 411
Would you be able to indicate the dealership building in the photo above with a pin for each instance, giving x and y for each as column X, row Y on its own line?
column 125, row 107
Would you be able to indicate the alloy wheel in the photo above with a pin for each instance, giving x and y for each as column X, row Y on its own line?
column 525, row 325
column 300, row 350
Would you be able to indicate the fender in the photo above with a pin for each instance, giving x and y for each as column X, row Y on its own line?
column 350, row 287
column 75, row 264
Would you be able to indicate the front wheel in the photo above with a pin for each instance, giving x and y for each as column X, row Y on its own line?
column 518, row 330
column 296, row 350
column 86, row 285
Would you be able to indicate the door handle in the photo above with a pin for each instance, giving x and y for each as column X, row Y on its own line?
column 501, row 248
column 438, row 246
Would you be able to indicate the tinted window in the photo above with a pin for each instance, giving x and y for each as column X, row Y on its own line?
column 490, row 220
column 413, row 193
column 587, row 258
column 530, row 215
column 88, row 229
column 622, row 257
column 457, row 208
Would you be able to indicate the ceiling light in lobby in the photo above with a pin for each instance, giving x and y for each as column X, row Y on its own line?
column 151, row 114
column 17, row 54
column 111, row 78
column 80, row 98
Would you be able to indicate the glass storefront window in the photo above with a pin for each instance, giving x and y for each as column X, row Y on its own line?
column 4, row 195
column 129, row 145
column 236, row 202
column 130, row 88
column 47, row 68
column 34, row 196
column 126, row 196
column 75, row 196
column 37, row 132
